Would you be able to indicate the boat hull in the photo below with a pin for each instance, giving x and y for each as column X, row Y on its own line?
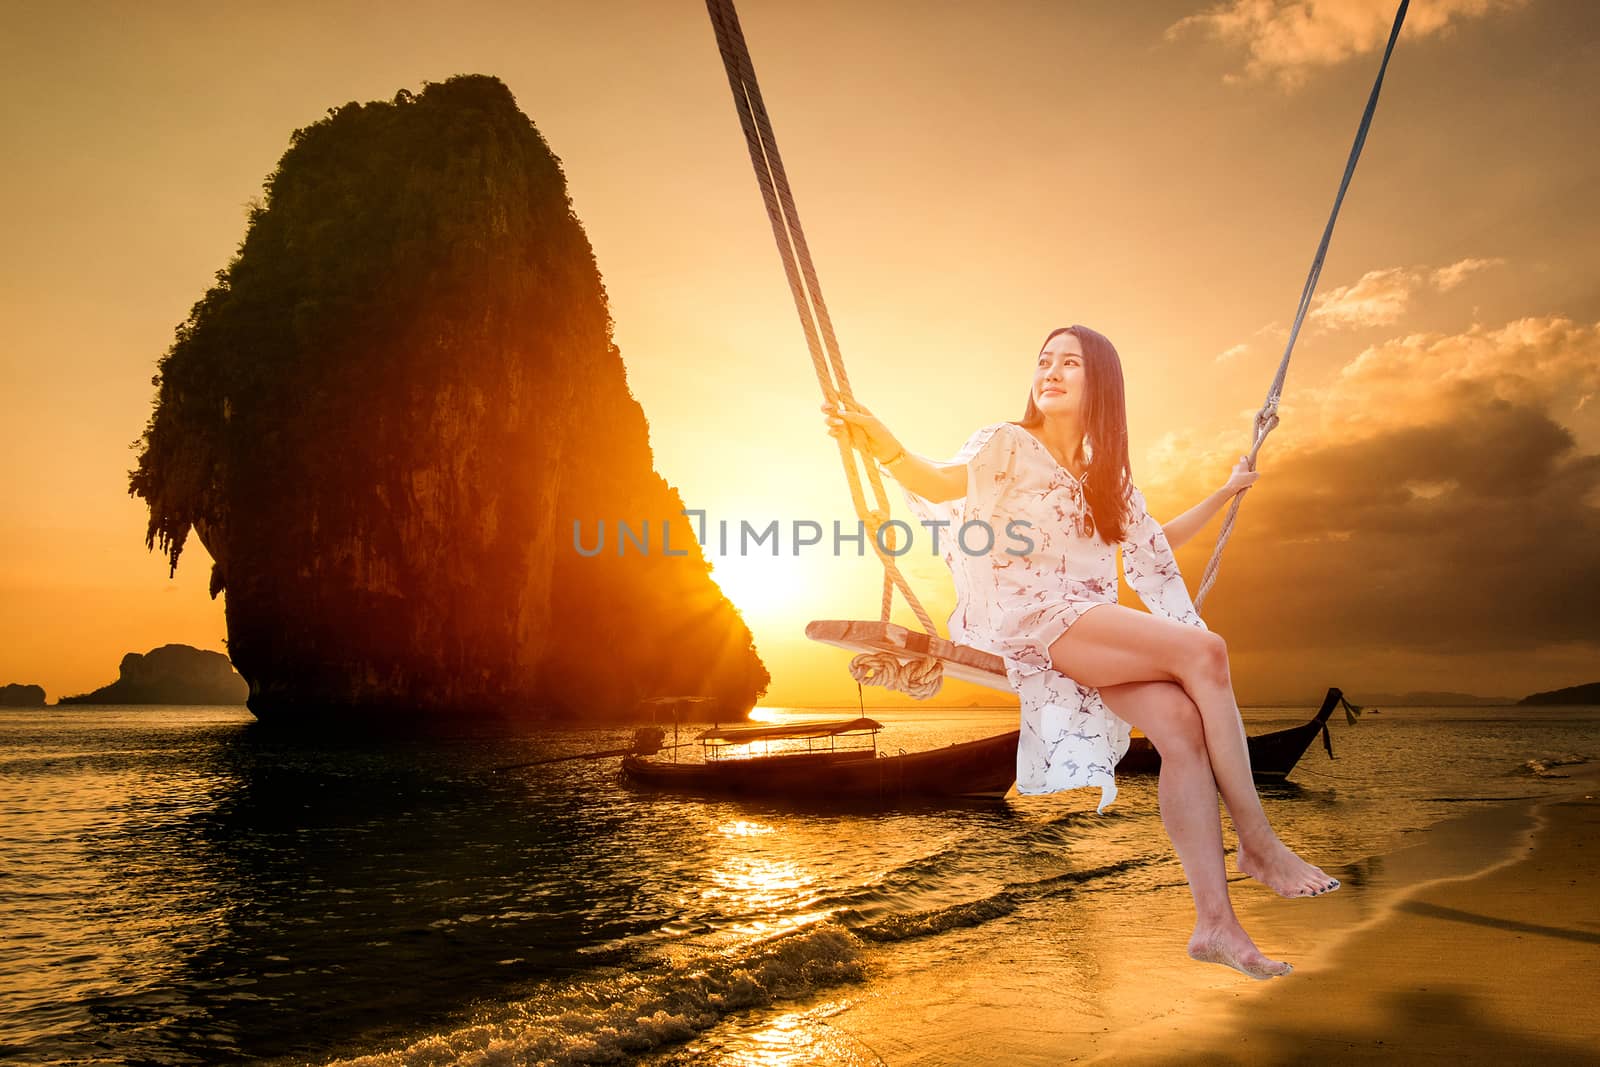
column 983, row 768
column 1272, row 755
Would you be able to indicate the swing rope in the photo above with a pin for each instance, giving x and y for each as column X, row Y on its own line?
column 1267, row 417
column 921, row 677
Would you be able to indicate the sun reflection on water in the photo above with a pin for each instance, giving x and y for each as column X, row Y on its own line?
column 761, row 881
column 789, row 1038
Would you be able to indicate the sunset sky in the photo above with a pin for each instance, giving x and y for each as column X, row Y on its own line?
column 969, row 176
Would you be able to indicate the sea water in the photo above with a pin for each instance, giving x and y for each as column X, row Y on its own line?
column 181, row 885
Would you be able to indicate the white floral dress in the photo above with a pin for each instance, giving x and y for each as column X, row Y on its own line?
column 1015, row 600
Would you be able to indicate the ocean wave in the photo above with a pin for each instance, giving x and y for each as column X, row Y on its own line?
column 938, row 920
column 606, row 1018
column 977, row 912
column 983, row 849
column 675, row 995
column 941, row 888
column 1545, row 767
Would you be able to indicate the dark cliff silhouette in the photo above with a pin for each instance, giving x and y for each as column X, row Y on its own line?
column 171, row 674
column 18, row 695
column 1588, row 693
column 384, row 418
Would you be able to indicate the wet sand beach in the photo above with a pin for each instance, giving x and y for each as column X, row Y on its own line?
column 1479, row 943
column 1501, row 967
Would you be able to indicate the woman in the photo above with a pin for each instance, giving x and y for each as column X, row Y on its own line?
column 1086, row 669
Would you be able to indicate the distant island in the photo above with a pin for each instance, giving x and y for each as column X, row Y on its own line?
column 1429, row 699
column 21, row 696
column 1426, row 698
column 1573, row 694
column 171, row 674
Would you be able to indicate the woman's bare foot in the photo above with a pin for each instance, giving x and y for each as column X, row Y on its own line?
column 1286, row 874
column 1230, row 945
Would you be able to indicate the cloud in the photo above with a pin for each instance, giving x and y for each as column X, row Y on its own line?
column 1545, row 364
column 1380, row 297
column 1438, row 497
column 1287, row 39
column 1447, row 278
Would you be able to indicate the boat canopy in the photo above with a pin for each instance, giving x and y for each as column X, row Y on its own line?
column 743, row 735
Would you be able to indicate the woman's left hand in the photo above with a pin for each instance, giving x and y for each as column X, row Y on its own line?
column 1242, row 477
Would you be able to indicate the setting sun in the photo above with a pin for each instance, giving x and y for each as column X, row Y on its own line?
column 764, row 588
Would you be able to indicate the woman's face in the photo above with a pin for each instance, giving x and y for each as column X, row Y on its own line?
column 1058, row 380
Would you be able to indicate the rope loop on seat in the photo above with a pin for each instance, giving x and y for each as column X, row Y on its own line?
column 919, row 678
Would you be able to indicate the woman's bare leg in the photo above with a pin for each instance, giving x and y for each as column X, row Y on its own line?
column 1188, row 795
column 1113, row 645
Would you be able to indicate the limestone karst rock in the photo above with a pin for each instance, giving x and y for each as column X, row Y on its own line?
column 385, row 416
column 20, row 695
column 171, row 674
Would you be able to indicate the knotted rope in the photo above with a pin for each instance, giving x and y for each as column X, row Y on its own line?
column 921, row 678
column 1267, row 417
column 814, row 320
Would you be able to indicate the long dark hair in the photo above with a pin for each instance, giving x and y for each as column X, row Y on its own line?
column 1105, row 418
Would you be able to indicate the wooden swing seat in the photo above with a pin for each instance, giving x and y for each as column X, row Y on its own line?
column 960, row 661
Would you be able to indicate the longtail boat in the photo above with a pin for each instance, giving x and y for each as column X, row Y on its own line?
column 840, row 758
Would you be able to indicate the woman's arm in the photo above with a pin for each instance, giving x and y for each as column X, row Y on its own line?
column 1151, row 569
column 1191, row 522
column 934, row 481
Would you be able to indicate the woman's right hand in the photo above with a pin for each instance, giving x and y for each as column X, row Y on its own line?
column 867, row 432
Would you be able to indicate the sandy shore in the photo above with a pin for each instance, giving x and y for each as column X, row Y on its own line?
column 1498, row 967
column 1479, row 943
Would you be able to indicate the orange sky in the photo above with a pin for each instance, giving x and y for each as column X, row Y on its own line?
column 969, row 176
